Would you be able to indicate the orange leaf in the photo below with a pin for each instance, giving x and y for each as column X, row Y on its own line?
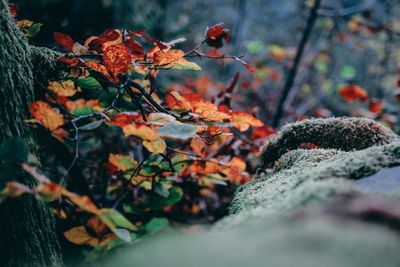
column 99, row 68
column 82, row 202
column 72, row 105
column 140, row 130
column 117, row 59
column 125, row 118
column 48, row 117
column 352, row 93
column 262, row 132
column 122, row 162
column 214, row 115
column 64, row 40
column 176, row 101
column 198, row 146
column 243, row 121
column 167, row 57
column 79, row 236
column 64, row 88
column 375, row 106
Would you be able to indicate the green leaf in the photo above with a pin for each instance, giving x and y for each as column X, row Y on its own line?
column 106, row 98
column 255, row 47
column 15, row 150
column 33, row 30
column 185, row 65
column 156, row 225
column 83, row 111
column 89, row 83
column 115, row 221
column 91, row 126
column 347, row 72
column 157, row 202
column 177, row 131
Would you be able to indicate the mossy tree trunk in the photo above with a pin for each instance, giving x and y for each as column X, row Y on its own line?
column 27, row 229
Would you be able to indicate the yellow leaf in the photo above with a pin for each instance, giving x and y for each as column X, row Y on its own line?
column 243, row 121
column 140, row 130
column 47, row 116
column 65, row 88
column 155, row 146
column 79, row 236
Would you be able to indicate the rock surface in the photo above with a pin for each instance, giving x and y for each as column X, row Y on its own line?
column 338, row 205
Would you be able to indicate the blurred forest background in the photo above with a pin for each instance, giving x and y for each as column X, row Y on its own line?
column 353, row 42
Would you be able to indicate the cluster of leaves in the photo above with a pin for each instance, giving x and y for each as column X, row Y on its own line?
column 155, row 153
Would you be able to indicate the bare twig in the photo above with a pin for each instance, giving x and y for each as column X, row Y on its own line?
column 293, row 71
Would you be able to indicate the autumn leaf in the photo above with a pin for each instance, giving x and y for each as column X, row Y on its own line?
column 173, row 59
column 262, row 132
column 215, row 35
column 158, row 118
column 64, row 88
column 117, row 59
column 135, row 48
column 122, row 162
column 103, row 41
column 277, row 52
column 207, row 110
column 351, row 93
column 64, row 40
column 243, row 121
column 176, row 101
column 71, row 62
column 46, row 115
column 375, row 106
column 29, row 28
column 13, row 9
column 83, row 106
column 198, row 146
column 125, row 118
column 140, row 130
column 155, row 146
column 79, row 236
column 99, row 68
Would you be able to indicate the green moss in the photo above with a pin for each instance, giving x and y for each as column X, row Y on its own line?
column 338, row 133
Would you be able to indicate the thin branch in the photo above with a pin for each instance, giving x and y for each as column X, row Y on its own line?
column 293, row 71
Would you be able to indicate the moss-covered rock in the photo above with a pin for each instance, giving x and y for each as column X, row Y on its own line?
column 283, row 217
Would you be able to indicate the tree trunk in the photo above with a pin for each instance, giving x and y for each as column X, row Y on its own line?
column 27, row 228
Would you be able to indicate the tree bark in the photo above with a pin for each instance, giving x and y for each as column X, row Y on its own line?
column 27, row 228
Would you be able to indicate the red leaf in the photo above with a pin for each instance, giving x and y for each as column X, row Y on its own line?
column 117, row 59
column 352, row 93
column 104, row 40
column 136, row 48
column 64, row 40
column 375, row 106
column 216, row 34
column 249, row 67
column 13, row 9
column 71, row 62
